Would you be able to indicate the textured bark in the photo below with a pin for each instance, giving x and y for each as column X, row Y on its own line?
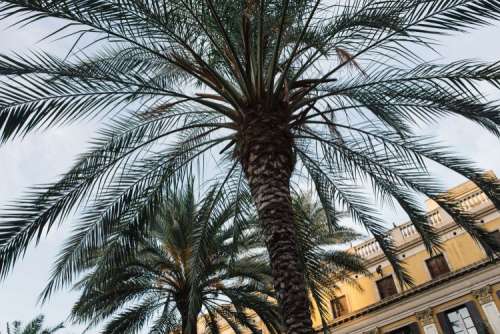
column 183, row 308
column 189, row 325
column 265, row 151
column 192, row 328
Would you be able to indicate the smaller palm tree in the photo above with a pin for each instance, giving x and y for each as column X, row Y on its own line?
column 186, row 267
column 35, row 326
column 196, row 263
column 322, row 253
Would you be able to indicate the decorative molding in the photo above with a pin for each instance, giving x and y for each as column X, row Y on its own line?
column 483, row 295
column 372, row 331
column 425, row 317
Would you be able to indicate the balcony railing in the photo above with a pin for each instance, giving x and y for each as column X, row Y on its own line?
column 368, row 249
column 437, row 218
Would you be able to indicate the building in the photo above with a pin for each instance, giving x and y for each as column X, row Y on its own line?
column 457, row 291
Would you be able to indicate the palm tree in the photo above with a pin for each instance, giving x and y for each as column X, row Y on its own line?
column 185, row 267
column 233, row 283
column 277, row 90
column 35, row 326
column 322, row 255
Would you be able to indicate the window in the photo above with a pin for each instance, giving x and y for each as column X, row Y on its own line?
column 339, row 306
column 386, row 287
column 437, row 266
column 461, row 321
column 409, row 329
column 496, row 236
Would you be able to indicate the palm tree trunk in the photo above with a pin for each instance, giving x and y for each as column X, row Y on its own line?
column 268, row 161
column 189, row 325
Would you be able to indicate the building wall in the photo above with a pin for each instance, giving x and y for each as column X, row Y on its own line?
column 459, row 250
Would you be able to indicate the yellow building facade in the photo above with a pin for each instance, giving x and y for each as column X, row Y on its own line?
column 457, row 291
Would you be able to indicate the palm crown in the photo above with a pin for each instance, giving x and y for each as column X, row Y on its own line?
column 326, row 90
column 35, row 326
column 184, row 268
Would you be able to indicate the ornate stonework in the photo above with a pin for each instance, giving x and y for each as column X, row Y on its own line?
column 425, row 317
column 483, row 295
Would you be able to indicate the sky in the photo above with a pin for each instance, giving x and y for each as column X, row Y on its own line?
column 41, row 157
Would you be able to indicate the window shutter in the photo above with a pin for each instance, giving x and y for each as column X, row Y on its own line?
column 476, row 318
column 496, row 235
column 386, row 287
column 339, row 306
column 443, row 322
column 437, row 266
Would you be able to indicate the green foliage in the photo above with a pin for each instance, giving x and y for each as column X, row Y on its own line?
column 175, row 80
column 325, row 263
column 189, row 265
column 183, row 267
column 35, row 326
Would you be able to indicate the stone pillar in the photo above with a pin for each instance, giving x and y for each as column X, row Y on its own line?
column 485, row 299
column 427, row 321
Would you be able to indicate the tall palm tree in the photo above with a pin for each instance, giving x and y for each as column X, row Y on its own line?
column 35, row 326
column 184, row 268
column 330, row 91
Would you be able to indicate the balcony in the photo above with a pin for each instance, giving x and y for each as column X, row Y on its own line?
column 471, row 202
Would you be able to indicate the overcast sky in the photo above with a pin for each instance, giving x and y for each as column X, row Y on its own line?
column 42, row 157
